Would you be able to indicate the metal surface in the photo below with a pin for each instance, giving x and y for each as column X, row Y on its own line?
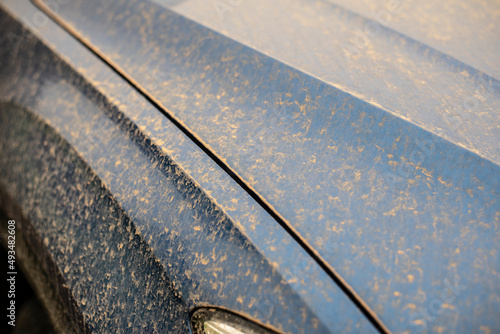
column 343, row 285
column 140, row 224
column 384, row 162
column 378, row 152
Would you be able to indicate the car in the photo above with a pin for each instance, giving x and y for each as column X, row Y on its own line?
column 235, row 166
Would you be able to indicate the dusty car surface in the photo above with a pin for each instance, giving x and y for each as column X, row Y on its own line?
column 233, row 166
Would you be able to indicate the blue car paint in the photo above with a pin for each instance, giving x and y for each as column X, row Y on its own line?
column 216, row 246
column 396, row 189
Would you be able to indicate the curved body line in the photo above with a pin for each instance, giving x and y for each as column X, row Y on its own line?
column 344, row 286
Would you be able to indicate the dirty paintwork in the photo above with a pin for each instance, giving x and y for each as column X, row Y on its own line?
column 142, row 225
column 386, row 162
column 93, row 243
column 415, row 59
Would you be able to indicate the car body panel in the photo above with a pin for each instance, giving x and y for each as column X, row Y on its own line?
column 379, row 164
column 142, row 225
